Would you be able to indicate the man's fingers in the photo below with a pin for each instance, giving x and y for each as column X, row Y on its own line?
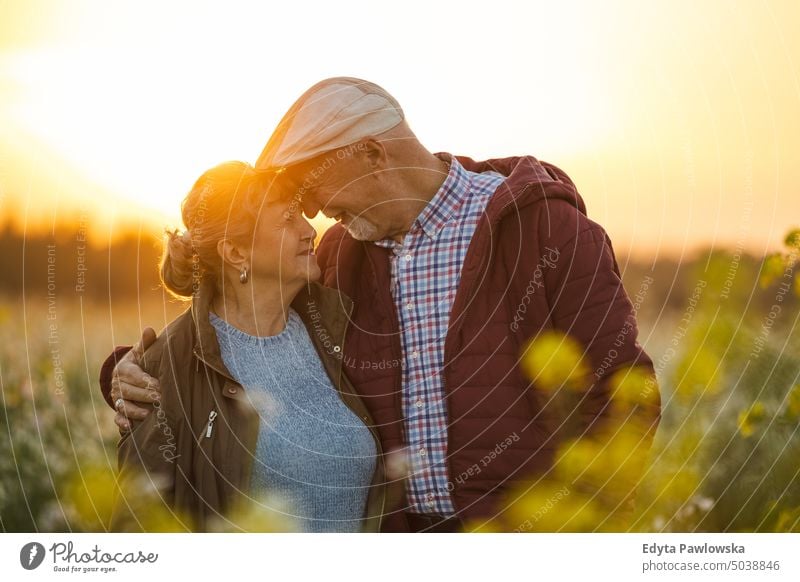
column 135, row 394
column 147, row 339
column 122, row 423
column 128, row 372
column 131, row 383
column 131, row 411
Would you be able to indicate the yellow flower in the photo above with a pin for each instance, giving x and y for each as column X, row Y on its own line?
column 553, row 507
column 141, row 506
column 634, row 385
column 554, row 360
column 698, row 373
column 793, row 402
column 750, row 418
column 788, row 521
column 610, row 463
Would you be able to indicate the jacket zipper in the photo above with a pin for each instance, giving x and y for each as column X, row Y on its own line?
column 210, row 426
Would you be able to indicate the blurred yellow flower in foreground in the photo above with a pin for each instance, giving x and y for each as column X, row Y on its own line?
column 611, row 464
column 267, row 514
column 96, row 500
column 793, row 403
column 90, row 495
column 699, row 373
column 554, row 360
column 633, row 385
column 788, row 521
column 750, row 419
column 553, row 507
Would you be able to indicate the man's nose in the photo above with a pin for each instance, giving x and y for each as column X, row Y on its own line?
column 310, row 208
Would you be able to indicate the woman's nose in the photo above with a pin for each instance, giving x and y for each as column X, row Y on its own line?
column 310, row 232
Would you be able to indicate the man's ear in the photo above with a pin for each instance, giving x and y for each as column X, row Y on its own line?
column 232, row 254
column 374, row 152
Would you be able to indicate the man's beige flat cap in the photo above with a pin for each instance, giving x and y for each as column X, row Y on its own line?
column 333, row 113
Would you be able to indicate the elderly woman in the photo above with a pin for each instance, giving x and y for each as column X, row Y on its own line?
column 253, row 398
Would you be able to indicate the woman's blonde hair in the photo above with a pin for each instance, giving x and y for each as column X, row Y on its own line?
column 223, row 204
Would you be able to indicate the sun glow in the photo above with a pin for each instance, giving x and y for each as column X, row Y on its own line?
column 144, row 115
column 118, row 107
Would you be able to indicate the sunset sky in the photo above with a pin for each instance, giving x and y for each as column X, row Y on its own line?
column 679, row 120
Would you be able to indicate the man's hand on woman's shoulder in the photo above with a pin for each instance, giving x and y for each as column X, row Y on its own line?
column 131, row 385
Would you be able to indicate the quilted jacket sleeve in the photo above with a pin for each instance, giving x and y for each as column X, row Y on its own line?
column 588, row 302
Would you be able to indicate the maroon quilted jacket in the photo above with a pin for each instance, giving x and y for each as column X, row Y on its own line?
column 535, row 262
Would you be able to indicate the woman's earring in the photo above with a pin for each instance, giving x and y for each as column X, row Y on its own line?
column 243, row 277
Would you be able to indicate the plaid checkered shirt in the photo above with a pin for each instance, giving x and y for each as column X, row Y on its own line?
column 425, row 274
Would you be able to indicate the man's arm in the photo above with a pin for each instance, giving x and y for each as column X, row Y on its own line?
column 122, row 377
column 589, row 303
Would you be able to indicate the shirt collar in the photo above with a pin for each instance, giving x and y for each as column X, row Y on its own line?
column 446, row 202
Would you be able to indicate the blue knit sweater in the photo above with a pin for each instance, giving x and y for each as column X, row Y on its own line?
column 312, row 451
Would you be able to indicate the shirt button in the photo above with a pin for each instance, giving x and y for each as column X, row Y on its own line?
column 422, row 452
column 409, row 306
column 415, row 354
column 418, row 404
column 408, row 257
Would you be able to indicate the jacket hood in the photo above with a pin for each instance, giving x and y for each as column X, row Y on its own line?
column 528, row 181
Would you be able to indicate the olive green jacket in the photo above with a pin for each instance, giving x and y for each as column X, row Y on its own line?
column 197, row 446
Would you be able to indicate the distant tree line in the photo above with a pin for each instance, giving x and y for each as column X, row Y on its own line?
column 65, row 263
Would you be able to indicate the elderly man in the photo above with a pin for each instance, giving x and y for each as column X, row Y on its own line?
column 453, row 266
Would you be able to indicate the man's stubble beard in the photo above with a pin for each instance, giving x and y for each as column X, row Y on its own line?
column 362, row 229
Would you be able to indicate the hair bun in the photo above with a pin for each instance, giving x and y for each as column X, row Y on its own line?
column 178, row 266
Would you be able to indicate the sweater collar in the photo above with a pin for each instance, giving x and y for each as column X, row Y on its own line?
column 324, row 311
